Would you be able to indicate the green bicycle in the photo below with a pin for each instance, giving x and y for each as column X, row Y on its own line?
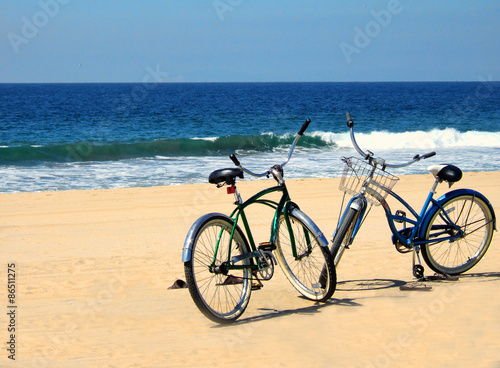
column 223, row 265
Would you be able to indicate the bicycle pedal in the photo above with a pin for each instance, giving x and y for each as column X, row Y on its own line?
column 418, row 271
column 268, row 246
column 400, row 213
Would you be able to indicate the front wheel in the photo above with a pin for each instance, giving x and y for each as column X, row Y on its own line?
column 473, row 217
column 222, row 295
column 311, row 271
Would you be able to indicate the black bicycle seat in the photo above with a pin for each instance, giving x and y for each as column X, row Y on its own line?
column 448, row 173
column 225, row 176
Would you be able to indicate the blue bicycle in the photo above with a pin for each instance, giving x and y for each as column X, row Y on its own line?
column 452, row 232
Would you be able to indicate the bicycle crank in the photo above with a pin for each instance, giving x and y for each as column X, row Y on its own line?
column 265, row 265
column 401, row 247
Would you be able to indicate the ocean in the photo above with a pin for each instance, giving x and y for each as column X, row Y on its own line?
column 91, row 136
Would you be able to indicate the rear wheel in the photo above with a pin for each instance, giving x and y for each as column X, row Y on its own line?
column 472, row 216
column 222, row 295
column 312, row 272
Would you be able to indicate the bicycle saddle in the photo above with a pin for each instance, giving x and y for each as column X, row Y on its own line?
column 448, row 173
column 225, row 176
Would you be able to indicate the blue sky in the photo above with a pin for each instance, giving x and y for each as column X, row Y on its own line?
column 248, row 40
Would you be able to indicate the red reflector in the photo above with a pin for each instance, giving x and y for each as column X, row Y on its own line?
column 230, row 190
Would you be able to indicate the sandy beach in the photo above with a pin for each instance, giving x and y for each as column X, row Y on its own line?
column 93, row 269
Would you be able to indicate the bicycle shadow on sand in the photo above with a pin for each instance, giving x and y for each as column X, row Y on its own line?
column 480, row 276
column 310, row 310
column 369, row 284
column 379, row 284
column 350, row 285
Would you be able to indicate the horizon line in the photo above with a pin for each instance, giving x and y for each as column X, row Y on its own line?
column 262, row 82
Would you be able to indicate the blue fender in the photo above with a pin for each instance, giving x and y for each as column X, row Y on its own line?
column 454, row 193
column 187, row 250
column 306, row 220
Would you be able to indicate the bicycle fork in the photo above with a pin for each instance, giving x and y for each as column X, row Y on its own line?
column 358, row 204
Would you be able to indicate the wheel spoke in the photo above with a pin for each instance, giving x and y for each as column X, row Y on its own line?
column 220, row 302
column 465, row 227
column 305, row 271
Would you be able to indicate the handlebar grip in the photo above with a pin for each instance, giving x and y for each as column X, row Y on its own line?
column 304, row 127
column 234, row 159
column 427, row 155
column 350, row 123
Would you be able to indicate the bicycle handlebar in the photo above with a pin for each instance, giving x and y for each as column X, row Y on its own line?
column 299, row 134
column 369, row 156
column 304, row 127
column 234, row 159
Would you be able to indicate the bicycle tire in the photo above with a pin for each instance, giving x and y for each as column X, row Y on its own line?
column 312, row 273
column 221, row 296
column 474, row 217
column 344, row 233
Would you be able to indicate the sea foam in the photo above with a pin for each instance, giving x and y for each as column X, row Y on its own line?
column 436, row 138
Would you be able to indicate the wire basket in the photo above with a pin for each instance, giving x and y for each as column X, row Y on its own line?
column 356, row 172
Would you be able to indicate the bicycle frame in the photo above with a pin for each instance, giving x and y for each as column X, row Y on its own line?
column 369, row 181
column 415, row 237
column 284, row 206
